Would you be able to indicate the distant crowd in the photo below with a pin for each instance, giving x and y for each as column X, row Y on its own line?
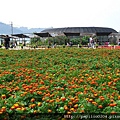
column 91, row 43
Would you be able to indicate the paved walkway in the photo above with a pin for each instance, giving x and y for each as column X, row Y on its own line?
column 24, row 48
column 29, row 48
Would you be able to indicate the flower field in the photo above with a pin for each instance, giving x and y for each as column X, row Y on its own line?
column 61, row 80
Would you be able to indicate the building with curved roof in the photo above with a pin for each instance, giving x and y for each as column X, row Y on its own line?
column 102, row 33
column 77, row 31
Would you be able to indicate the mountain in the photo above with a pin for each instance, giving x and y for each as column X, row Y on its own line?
column 7, row 29
column 30, row 30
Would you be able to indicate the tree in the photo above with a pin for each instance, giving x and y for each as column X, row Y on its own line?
column 85, row 40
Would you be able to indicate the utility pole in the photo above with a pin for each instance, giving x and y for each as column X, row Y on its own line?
column 11, row 28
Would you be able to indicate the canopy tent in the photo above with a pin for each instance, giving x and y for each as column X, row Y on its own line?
column 43, row 34
column 20, row 35
column 2, row 36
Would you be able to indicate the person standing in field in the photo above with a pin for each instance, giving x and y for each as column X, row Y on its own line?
column 90, row 41
column 119, row 42
column 7, row 42
column 93, row 43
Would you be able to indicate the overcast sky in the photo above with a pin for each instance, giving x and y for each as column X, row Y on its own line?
column 61, row 13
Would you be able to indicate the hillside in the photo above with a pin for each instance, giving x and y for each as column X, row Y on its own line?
column 30, row 30
column 6, row 29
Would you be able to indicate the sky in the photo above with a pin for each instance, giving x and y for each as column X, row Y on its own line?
column 61, row 13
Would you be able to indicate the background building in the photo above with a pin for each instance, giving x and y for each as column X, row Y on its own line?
column 101, row 33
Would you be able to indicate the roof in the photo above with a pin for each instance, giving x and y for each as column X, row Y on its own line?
column 71, row 34
column 2, row 36
column 43, row 34
column 78, row 30
column 20, row 35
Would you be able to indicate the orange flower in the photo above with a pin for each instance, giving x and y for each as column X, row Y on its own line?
column 72, row 109
column 86, row 75
column 47, row 100
column 3, row 109
column 39, row 103
column 90, row 100
column 47, row 95
column 51, row 101
column 82, row 111
column 62, row 88
column 16, row 105
column 113, row 112
column 31, row 91
column 75, row 101
column 68, row 112
column 1, row 112
column 119, row 97
column 39, row 92
column 70, row 103
column 95, row 94
column 109, row 77
column 76, row 106
column 109, row 83
column 12, row 108
column 18, row 108
column 32, row 105
column 100, row 106
column 102, row 98
column 111, row 100
column 57, row 100
column 72, row 99
column 112, row 104
column 88, row 79
column 35, row 111
column 81, row 80
column 66, row 107
column 49, row 111
column 32, row 100
column 42, row 82
column 63, row 99
column 3, row 96
column 94, row 103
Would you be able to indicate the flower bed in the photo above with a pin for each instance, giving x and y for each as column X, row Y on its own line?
column 64, row 80
column 110, row 47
